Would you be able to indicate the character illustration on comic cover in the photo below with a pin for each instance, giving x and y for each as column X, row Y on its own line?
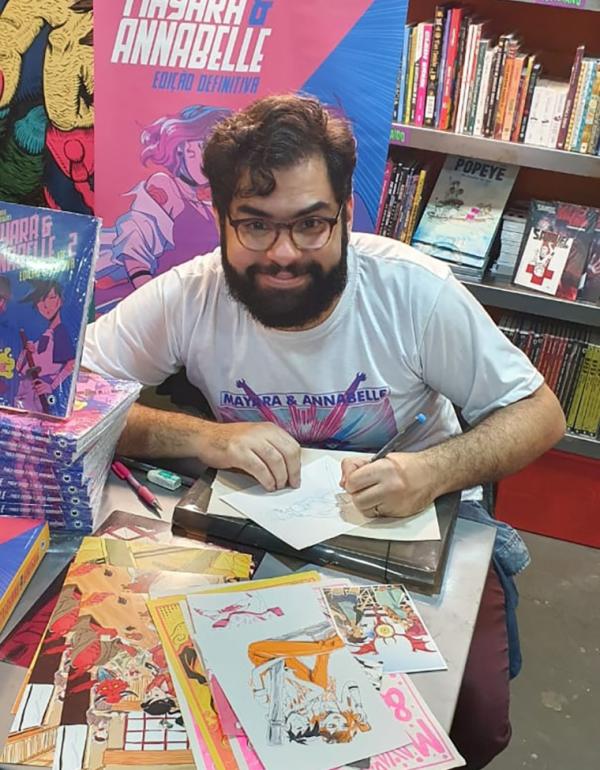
column 170, row 219
column 110, row 688
column 383, row 629
column 303, row 703
column 45, row 363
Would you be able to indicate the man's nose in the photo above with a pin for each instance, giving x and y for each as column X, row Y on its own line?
column 284, row 251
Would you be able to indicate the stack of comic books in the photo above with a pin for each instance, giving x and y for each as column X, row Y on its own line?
column 58, row 468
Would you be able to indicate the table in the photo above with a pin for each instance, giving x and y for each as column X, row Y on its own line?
column 450, row 616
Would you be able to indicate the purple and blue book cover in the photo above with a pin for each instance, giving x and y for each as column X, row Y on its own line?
column 47, row 261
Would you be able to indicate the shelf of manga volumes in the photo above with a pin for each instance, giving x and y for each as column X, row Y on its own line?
column 500, row 293
column 546, row 158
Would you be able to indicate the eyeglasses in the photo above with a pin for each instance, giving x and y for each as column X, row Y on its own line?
column 306, row 233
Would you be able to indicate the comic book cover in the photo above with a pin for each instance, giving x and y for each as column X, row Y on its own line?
column 98, row 401
column 47, row 261
column 465, row 208
column 590, row 291
column 98, row 693
column 577, row 223
column 555, row 248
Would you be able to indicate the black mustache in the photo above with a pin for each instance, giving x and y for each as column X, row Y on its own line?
column 294, row 270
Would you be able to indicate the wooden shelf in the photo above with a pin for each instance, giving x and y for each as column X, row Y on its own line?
column 418, row 137
column 571, row 5
column 504, row 295
column 580, row 445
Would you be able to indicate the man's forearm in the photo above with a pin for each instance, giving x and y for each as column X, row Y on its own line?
column 502, row 444
column 158, row 433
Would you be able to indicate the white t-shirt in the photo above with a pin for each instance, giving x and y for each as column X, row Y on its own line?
column 405, row 337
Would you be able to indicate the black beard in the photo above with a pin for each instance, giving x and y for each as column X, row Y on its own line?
column 288, row 308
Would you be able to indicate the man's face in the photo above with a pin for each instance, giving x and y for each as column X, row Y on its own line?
column 49, row 305
column 284, row 286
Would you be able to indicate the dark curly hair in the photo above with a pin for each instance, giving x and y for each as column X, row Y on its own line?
column 276, row 133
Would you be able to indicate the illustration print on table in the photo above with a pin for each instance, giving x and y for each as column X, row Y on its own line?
column 296, row 690
column 380, row 624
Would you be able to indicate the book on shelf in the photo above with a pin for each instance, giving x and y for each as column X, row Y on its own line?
column 46, row 277
column 460, row 220
column 454, row 78
column 568, row 355
column 590, row 288
column 557, row 248
column 23, row 544
column 401, row 199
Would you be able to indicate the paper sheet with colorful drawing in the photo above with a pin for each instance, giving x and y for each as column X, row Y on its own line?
column 99, row 693
column 301, row 698
column 211, row 746
column 381, row 625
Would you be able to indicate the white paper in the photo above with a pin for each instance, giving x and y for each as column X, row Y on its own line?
column 286, row 673
column 316, row 511
column 422, row 526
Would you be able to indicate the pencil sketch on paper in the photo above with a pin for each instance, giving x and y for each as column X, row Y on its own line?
column 250, row 608
column 322, row 506
column 292, row 682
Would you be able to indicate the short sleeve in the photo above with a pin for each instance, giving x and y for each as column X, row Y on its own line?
column 469, row 360
column 140, row 338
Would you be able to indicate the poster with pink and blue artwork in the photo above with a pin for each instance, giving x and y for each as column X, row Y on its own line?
column 168, row 70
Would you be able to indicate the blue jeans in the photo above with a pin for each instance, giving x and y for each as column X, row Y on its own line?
column 510, row 556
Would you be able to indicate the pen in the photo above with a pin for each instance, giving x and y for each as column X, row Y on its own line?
column 391, row 445
column 144, row 494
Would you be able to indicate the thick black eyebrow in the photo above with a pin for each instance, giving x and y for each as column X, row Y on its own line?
column 255, row 212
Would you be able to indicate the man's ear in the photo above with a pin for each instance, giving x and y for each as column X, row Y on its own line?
column 349, row 213
column 217, row 219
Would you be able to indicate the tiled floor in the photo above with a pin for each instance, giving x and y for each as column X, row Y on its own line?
column 556, row 698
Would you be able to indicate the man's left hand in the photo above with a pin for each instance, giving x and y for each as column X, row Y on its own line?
column 399, row 485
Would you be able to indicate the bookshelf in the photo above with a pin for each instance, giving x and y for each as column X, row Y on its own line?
column 546, row 172
column 449, row 143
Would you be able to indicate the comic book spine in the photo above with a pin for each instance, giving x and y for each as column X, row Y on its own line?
column 577, row 105
column 482, row 49
column 18, row 584
column 458, row 71
column 387, row 175
column 483, row 91
column 423, row 75
column 535, row 74
column 450, row 70
column 441, row 74
column 521, row 98
column 573, row 80
column 590, row 114
column 495, row 83
column 434, row 65
column 401, row 91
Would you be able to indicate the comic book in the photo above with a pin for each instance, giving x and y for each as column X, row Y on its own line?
column 590, row 290
column 23, row 545
column 555, row 248
column 99, row 688
column 47, row 261
column 98, row 402
column 461, row 218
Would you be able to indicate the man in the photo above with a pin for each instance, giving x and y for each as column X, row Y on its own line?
column 298, row 333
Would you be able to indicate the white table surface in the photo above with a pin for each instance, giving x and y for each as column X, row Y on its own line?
column 450, row 616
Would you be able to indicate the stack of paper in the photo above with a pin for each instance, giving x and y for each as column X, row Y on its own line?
column 99, row 693
column 317, row 511
column 58, row 468
column 275, row 685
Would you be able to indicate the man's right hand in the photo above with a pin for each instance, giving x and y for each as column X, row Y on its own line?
column 263, row 450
